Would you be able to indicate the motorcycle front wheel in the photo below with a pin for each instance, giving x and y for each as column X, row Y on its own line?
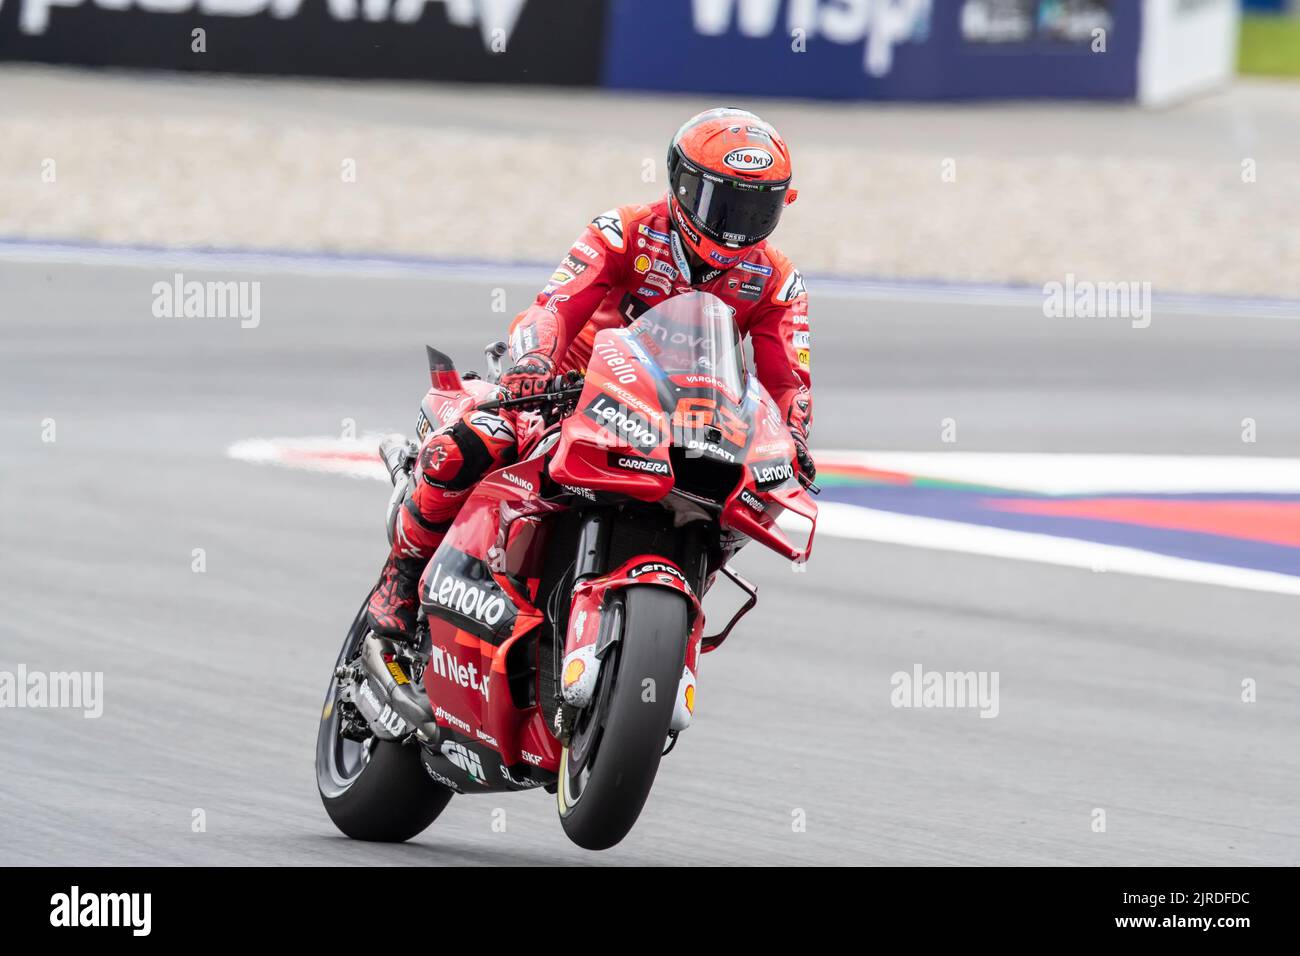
column 610, row 763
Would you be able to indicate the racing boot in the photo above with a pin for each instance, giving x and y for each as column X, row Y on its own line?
column 393, row 607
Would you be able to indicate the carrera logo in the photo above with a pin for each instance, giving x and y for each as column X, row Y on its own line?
column 661, row 282
column 469, row 599
column 748, row 159
column 631, row 463
column 624, row 422
column 752, row 500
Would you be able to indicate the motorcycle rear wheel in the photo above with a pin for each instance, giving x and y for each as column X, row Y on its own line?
column 374, row 790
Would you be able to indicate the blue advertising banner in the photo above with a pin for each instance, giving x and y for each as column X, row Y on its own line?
column 876, row 49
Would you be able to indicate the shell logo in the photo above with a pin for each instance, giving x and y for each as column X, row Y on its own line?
column 573, row 671
column 690, row 698
column 641, row 263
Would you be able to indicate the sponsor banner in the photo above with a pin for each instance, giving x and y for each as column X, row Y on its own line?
column 899, row 49
column 510, row 41
column 459, row 588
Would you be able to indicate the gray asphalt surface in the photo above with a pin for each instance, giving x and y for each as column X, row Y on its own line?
column 1119, row 693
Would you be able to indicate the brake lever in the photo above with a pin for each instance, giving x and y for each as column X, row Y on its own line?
column 542, row 399
column 809, row 485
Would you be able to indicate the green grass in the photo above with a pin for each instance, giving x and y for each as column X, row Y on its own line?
column 1270, row 46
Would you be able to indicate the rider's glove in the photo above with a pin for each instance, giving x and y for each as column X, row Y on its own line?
column 803, row 457
column 528, row 377
column 799, row 420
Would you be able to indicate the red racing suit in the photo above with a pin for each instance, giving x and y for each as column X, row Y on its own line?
column 623, row 264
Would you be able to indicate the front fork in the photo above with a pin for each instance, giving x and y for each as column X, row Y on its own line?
column 595, row 621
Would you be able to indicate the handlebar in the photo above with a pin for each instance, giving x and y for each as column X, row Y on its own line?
column 545, row 398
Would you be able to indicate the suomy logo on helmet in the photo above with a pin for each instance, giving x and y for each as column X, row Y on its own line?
column 748, row 159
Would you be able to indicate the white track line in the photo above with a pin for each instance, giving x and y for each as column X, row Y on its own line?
column 1079, row 474
column 868, row 524
column 357, row 458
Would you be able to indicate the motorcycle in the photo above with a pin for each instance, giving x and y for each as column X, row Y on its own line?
column 560, row 625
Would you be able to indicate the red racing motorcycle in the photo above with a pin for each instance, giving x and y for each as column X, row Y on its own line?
column 560, row 630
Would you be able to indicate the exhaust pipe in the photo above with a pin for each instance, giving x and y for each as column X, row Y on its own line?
column 406, row 699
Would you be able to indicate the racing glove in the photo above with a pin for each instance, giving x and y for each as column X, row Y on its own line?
column 529, row 377
column 803, row 457
column 799, row 421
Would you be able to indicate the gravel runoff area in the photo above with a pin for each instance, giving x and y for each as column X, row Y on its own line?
column 1198, row 198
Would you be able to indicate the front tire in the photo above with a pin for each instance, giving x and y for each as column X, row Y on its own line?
column 374, row 789
column 608, row 768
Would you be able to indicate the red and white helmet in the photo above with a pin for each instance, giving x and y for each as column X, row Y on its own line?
column 729, row 179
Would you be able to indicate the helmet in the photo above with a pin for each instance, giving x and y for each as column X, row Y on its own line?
column 729, row 179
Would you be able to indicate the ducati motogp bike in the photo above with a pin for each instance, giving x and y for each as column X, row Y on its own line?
column 560, row 628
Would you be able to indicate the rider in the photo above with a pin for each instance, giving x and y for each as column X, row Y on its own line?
column 729, row 180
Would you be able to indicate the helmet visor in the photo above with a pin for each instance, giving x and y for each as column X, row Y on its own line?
column 727, row 211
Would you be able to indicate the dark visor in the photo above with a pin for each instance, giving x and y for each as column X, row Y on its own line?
column 730, row 212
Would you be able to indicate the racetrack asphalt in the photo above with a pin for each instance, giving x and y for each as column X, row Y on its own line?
column 1116, row 693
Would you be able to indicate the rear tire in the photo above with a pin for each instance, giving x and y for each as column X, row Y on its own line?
column 391, row 800
column 599, row 801
column 385, row 796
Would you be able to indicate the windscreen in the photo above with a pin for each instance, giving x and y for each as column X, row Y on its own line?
column 695, row 336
